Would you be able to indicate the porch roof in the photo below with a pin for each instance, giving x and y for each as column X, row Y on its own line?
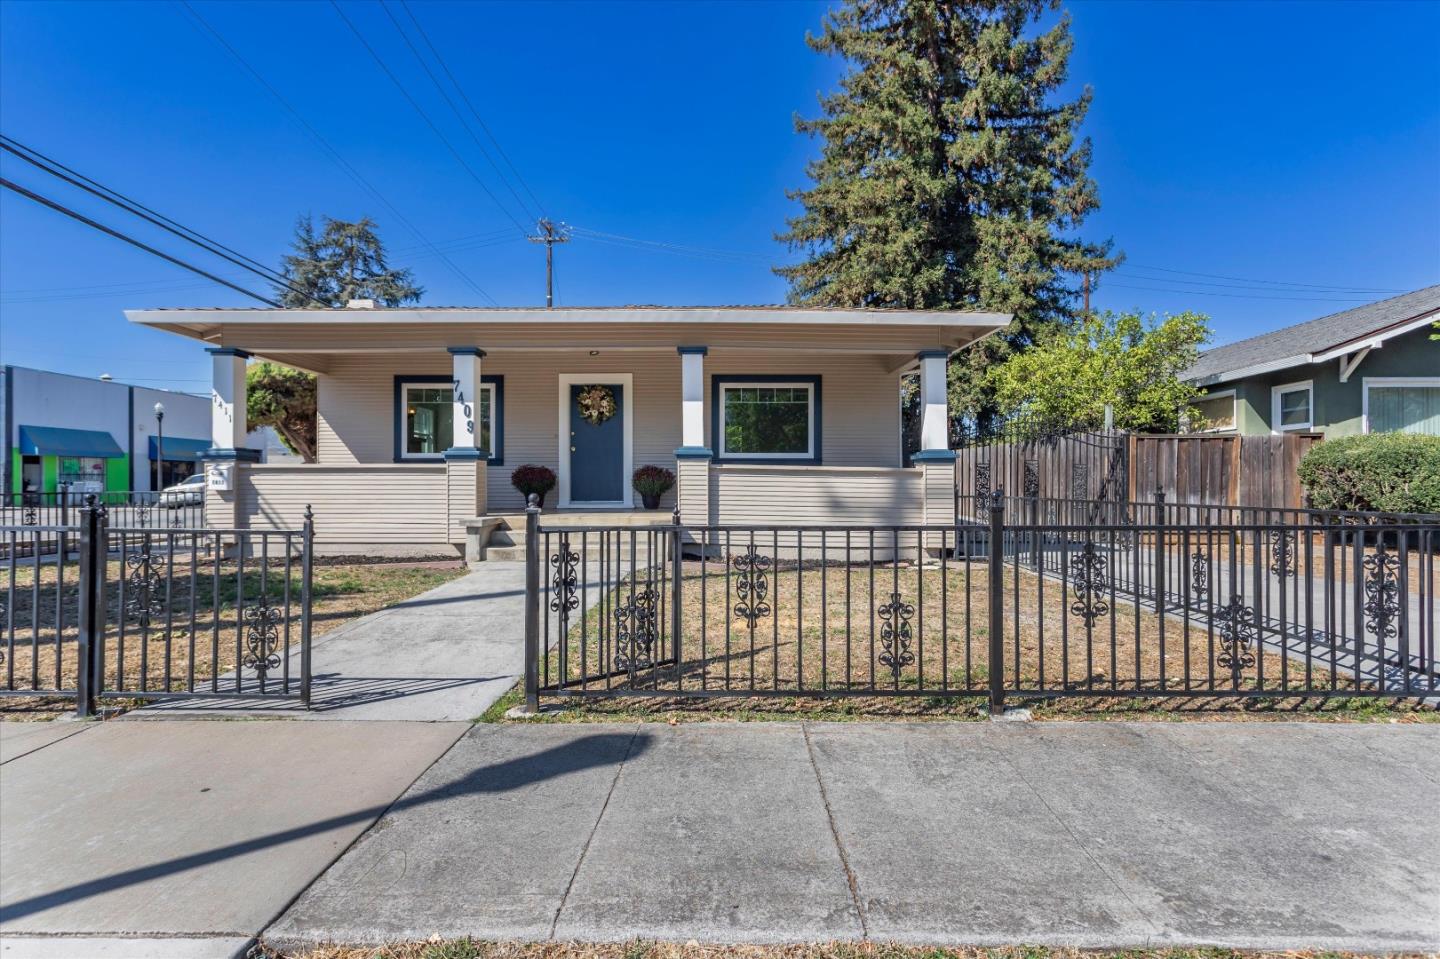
column 304, row 338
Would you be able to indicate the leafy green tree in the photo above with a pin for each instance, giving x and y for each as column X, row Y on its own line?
column 283, row 398
column 949, row 174
column 1131, row 363
column 344, row 261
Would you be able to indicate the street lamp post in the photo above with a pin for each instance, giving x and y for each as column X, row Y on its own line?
column 159, row 448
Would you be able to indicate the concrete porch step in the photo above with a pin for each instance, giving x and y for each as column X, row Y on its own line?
column 506, row 539
column 516, row 554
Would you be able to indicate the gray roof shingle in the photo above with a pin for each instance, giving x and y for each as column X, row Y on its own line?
column 1315, row 336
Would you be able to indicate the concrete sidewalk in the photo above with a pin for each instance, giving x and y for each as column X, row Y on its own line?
column 443, row 656
column 184, row 838
column 1256, row 835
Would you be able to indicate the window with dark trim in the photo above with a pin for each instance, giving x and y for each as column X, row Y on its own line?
column 766, row 418
column 424, row 417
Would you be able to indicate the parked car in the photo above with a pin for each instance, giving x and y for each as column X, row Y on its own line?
column 188, row 492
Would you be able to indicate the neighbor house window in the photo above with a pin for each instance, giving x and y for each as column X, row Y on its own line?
column 1402, row 404
column 1291, row 407
column 1215, row 411
column 767, row 418
column 425, row 417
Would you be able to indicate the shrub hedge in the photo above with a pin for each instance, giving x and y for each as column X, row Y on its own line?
column 1390, row 472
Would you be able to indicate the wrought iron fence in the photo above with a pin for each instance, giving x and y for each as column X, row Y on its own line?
column 154, row 612
column 1321, row 606
column 134, row 508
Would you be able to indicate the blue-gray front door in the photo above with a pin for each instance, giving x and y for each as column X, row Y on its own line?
column 597, row 452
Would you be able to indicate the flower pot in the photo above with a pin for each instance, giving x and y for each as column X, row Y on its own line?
column 651, row 502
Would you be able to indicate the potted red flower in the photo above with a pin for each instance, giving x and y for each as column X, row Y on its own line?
column 652, row 482
column 531, row 478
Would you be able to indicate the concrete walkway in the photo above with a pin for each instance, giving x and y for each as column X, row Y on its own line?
column 183, row 838
column 445, row 655
column 1254, row 835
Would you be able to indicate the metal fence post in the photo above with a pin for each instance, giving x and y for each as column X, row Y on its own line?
column 532, row 604
column 307, row 570
column 1160, row 586
column 91, row 547
column 677, row 560
column 64, row 504
column 996, row 658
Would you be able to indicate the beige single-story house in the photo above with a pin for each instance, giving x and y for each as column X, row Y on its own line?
column 767, row 415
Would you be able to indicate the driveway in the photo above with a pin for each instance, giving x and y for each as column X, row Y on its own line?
column 1098, row 835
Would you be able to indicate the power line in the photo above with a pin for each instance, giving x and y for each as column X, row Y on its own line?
column 425, row 116
column 405, row 5
column 1248, row 286
column 1242, row 296
column 10, row 144
column 661, row 246
column 128, row 239
column 454, row 109
column 1241, row 279
column 334, row 155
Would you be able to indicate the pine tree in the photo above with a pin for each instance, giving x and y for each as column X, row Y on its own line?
column 345, row 261
column 948, row 178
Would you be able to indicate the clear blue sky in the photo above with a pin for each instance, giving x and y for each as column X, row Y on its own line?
column 1293, row 146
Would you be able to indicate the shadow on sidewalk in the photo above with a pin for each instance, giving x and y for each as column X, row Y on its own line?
column 587, row 752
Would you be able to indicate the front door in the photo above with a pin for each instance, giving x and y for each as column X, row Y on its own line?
column 597, row 449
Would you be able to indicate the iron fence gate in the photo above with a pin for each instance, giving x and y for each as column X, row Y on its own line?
column 141, row 612
column 1149, row 607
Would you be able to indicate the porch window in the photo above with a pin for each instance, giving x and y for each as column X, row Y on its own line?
column 767, row 418
column 425, row 419
column 1215, row 411
column 1291, row 407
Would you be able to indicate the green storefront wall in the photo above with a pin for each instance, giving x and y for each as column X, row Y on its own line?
column 1338, row 408
column 117, row 473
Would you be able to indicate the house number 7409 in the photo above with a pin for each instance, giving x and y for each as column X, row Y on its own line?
column 465, row 408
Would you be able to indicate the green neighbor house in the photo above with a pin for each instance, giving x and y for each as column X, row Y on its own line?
column 1373, row 369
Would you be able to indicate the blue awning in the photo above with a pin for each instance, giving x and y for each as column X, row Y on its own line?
column 58, row 441
column 180, row 449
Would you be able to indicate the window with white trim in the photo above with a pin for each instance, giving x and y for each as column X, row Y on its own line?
column 428, row 416
column 1396, row 404
column 1292, row 407
column 1214, row 412
column 772, row 419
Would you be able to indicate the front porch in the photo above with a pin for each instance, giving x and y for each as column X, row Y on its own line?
column 765, row 415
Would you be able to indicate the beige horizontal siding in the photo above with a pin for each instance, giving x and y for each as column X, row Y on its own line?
column 353, row 504
column 859, row 397
column 818, row 496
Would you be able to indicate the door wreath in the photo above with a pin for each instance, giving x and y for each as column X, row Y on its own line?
column 596, row 404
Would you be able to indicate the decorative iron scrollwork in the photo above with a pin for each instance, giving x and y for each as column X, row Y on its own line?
column 1282, row 553
column 895, row 634
column 982, row 488
column 752, row 586
column 1087, row 581
column 142, row 516
column 262, row 637
column 30, row 517
column 1200, row 575
column 144, row 586
column 1032, row 479
column 1079, row 481
column 564, row 581
column 1236, row 623
column 636, row 631
column 1382, row 593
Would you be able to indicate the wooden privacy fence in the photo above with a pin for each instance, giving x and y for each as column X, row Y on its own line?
column 1219, row 469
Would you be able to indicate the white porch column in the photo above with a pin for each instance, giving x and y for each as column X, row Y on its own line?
column 466, row 376
column 935, row 458
column 467, row 459
column 934, row 408
column 227, row 398
column 227, row 458
column 692, row 459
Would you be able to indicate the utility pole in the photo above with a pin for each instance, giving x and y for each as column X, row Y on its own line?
column 550, row 234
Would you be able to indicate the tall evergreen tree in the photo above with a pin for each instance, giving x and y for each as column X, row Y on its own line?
column 948, row 176
column 344, row 261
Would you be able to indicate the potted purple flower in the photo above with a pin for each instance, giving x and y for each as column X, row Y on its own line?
column 652, row 482
column 531, row 478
